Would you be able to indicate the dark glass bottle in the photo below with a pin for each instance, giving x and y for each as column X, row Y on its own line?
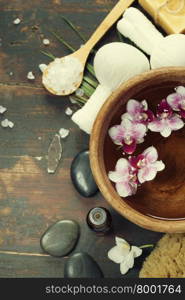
column 99, row 220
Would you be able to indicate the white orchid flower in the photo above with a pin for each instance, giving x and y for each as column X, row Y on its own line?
column 166, row 120
column 124, row 178
column 124, row 254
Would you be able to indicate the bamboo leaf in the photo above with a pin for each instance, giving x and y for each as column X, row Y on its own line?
column 90, row 69
column 61, row 39
column 90, row 81
column 73, row 27
column 48, row 54
column 88, row 90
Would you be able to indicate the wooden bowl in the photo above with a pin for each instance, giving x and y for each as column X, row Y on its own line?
column 158, row 205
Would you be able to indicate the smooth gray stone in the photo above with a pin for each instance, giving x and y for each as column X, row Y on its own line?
column 82, row 265
column 60, row 238
column 81, row 175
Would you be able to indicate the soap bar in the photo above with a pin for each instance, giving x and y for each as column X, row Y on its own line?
column 170, row 15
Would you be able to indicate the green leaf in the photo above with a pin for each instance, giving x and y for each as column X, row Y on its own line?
column 48, row 54
column 146, row 246
column 61, row 39
column 90, row 81
column 73, row 27
column 90, row 69
column 87, row 88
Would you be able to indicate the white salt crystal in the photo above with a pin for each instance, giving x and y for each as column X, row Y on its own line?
column 72, row 100
column 46, row 42
column 11, row 124
column 79, row 93
column 6, row 123
column 63, row 75
column 42, row 67
column 68, row 111
column 38, row 158
column 63, row 133
column 17, row 21
column 30, row 76
column 2, row 109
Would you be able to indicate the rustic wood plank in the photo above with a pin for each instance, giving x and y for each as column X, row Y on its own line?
column 11, row 264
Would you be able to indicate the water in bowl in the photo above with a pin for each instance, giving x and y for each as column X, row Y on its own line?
column 164, row 197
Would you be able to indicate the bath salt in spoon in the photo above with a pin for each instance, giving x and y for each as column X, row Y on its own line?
column 64, row 75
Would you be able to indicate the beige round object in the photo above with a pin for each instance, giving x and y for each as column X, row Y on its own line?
column 167, row 260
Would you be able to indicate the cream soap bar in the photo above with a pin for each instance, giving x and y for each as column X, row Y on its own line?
column 170, row 15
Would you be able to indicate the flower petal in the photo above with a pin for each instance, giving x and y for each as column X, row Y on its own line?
column 147, row 174
column 180, row 90
column 124, row 189
column 118, row 254
column 174, row 100
column 127, row 264
column 175, row 123
column 127, row 124
column 122, row 243
column 123, row 166
column 122, row 171
column 156, row 125
column 150, row 116
column 116, row 133
column 164, row 107
column 150, row 154
column 166, row 132
column 124, row 268
column 138, row 131
column 134, row 107
column 136, row 251
column 140, row 141
column 159, row 165
column 144, row 104
column 115, row 176
column 129, row 149
column 127, row 116
column 134, row 160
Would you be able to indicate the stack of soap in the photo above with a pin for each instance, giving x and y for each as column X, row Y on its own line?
column 170, row 15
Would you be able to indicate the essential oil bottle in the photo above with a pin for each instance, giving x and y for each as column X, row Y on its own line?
column 99, row 220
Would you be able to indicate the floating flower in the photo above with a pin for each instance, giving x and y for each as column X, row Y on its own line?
column 124, row 177
column 147, row 164
column 177, row 100
column 138, row 112
column 166, row 120
column 128, row 134
column 124, row 254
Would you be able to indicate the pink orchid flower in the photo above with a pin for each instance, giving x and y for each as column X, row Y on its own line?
column 177, row 100
column 138, row 112
column 166, row 120
column 147, row 164
column 124, row 177
column 128, row 134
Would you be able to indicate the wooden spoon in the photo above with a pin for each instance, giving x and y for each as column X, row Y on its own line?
column 60, row 81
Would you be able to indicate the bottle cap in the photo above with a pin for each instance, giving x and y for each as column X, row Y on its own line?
column 99, row 219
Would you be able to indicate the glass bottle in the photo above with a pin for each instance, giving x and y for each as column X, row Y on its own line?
column 99, row 220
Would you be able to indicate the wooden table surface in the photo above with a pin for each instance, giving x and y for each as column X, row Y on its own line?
column 30, row 198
